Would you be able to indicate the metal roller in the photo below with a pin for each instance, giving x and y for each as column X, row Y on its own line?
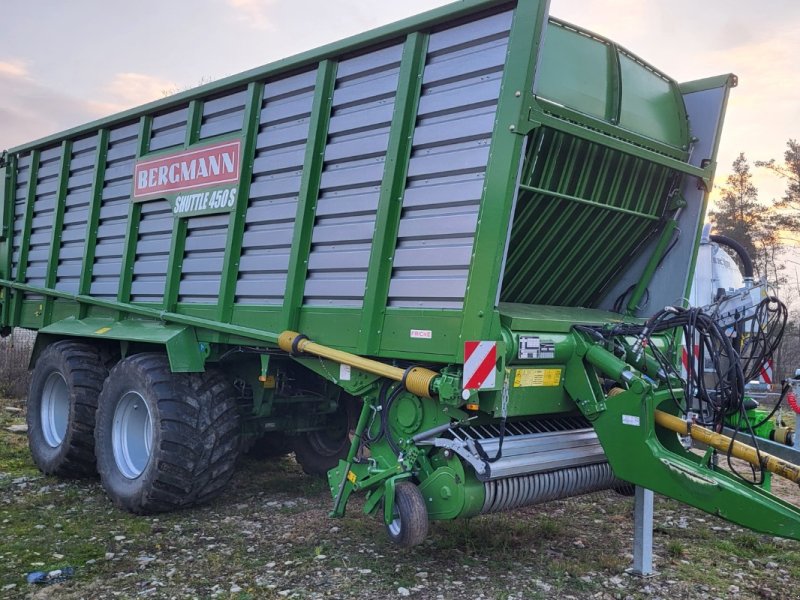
column 535, row 488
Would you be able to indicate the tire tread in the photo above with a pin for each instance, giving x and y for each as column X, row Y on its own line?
column 198, row 422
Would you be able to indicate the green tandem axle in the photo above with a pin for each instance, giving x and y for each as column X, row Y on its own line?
column 423, row 259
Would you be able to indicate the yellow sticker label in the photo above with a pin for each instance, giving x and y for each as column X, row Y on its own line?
column 351, row 477
column 103, row 330
column 537, row 378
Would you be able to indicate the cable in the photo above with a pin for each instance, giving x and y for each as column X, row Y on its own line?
column 718, row 366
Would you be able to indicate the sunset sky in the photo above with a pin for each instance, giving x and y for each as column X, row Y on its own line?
column 64, row 63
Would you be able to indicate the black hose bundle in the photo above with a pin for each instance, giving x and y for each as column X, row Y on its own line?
column 718, row 364
column 710, row 349
column 759, row 344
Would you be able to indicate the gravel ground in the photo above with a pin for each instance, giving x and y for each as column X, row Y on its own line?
column 269, row 536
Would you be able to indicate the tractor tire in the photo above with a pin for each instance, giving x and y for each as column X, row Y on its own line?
column 317, row 452
column 410, row 525
column 62, row 404
column 165, row 440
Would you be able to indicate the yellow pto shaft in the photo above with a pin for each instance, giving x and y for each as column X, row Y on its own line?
column 417, row 380
column 725, row 444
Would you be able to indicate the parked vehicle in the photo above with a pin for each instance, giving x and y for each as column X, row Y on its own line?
column 430, row 260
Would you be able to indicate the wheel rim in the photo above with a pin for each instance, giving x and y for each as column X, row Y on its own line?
column 55, row 409
column 395, row 526
column 132, row 435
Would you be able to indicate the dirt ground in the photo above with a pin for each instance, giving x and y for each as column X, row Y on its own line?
column 269, row 536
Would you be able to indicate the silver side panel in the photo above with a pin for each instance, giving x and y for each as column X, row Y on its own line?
column 277, row 171
column 43, row 215
column 223, row 115
column 117, row 185
column 363, row 104
column 203, row 255
column 169, row 129
column 76, row 214
column 152, row 252
column 451, row 143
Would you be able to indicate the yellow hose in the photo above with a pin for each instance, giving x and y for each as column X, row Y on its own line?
column 418, row 380
column 722, row 443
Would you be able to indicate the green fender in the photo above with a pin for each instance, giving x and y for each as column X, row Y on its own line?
column 186, row 354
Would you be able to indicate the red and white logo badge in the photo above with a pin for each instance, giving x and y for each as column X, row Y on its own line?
column 479, row 362
column 193, row 169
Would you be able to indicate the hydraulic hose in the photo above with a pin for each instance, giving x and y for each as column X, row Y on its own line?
column 747, row 262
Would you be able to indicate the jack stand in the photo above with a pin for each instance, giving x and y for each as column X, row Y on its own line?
column 643, row 533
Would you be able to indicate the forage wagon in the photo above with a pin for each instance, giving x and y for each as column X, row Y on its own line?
column 431, row 260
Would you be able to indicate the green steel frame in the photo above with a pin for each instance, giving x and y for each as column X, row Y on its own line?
column 390, row 202
column 309, row 191
column 233, row 244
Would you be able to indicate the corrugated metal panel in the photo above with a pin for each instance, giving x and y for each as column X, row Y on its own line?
column 272, row 206
column 152, row 252
column 43, row 213
column 224, row 114
column 203, row 257
column 117, row 185
column 169, row 129
column 461, row 84
column 76, row 213
column 565, row 253
column 20, row 203
column 363, row 103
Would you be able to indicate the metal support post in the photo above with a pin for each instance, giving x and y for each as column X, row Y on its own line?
column 643, row 533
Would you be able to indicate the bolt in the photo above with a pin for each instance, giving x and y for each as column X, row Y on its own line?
column 512, row 127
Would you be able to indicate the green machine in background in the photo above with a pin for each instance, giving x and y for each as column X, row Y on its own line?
column 431, row 260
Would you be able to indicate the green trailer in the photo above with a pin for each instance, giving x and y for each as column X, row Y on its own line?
column 423, row 259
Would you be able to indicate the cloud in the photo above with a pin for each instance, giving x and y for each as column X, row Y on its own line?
column 30, row 110
column 253, row 12
column 126, row 90
column 13, row 69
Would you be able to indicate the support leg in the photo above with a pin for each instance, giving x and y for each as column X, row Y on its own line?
column 643, row 532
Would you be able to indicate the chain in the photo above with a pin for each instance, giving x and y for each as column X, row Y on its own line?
column 504, row 405
column 328, row 373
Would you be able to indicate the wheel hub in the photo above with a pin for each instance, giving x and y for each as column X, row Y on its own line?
column 55, row 409
column 132, row 435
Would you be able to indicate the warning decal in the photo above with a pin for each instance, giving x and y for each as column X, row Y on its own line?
column 537, row 378
column 479, row 365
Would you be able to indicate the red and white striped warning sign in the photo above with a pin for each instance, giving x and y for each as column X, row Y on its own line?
column 766, row 372
column 479, row 361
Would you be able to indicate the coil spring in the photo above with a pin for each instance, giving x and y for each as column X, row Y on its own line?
column 514, row 492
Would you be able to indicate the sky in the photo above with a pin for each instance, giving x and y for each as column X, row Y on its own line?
column 65, row 63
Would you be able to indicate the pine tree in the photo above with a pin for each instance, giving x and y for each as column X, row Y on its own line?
column 739, row 215
column 788, row 207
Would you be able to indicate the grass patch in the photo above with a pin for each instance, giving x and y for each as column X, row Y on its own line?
column 675, row 549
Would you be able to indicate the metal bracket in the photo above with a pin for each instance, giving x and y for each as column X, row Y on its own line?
column 465, row 449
